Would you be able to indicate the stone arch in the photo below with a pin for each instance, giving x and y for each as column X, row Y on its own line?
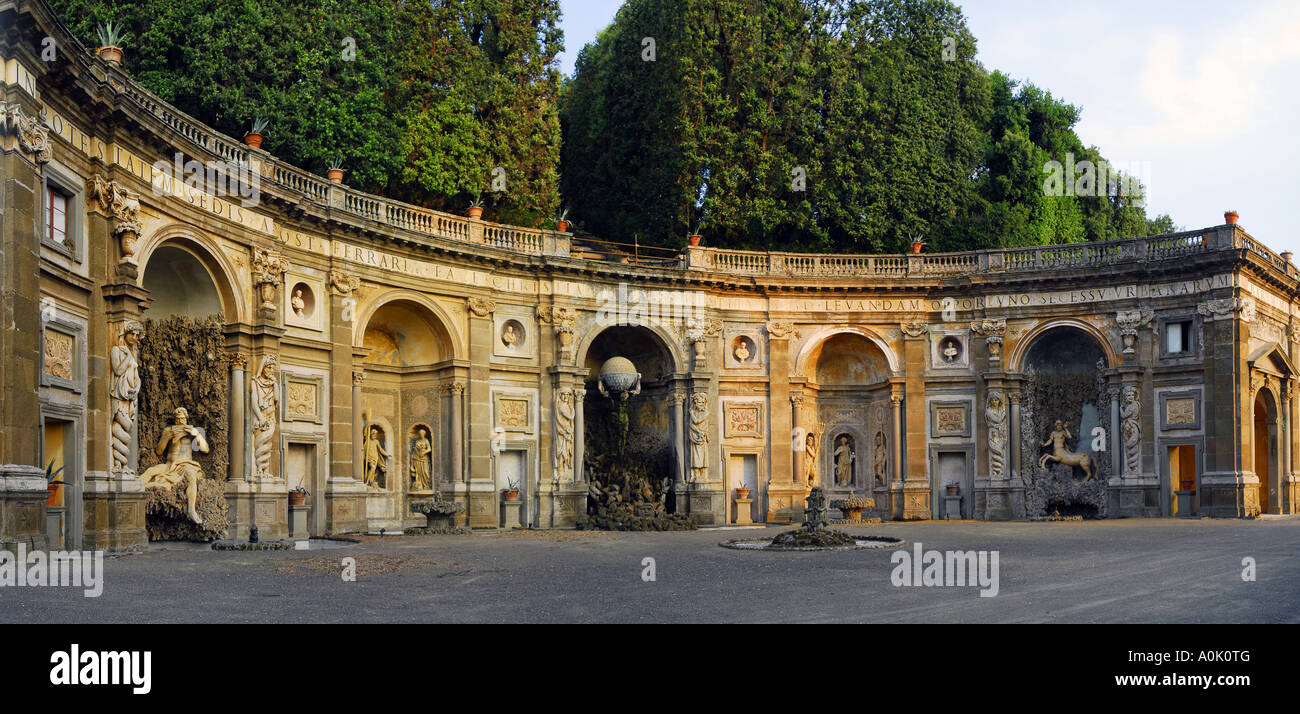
column 441, row 327
column 673, row 355
column 1266, row 447
column 1016, row 359
column 822, row 335
column 208, row 252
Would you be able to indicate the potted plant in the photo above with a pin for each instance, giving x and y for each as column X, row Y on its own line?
column 476, row 206
column 917, row 245
column 695, row 237
column 110, row 35
column 52, row 482
column 562, row 220
column 298, row 496
column 335, row 172
column 1230, row 217
column 742, row 493
column 511, row 491
column 255, row 136
column 953, row 489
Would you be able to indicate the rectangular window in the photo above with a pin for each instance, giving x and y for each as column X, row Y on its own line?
column 1178, row 337
column 56, row 220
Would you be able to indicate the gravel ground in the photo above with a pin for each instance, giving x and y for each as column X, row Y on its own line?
column 1108, row 571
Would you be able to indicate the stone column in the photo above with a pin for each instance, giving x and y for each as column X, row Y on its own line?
column 1291, row 476
column 342, row 507
column 483, row 495
column 679, row 441
column 782, row 492
column 896, row 454
column 238, row 399
column 358, row 426
column 916, row 481
column 457, row 391
column 579, row 435
column 1013, row 435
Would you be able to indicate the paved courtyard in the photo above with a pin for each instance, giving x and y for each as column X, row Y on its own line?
column 1109, row 571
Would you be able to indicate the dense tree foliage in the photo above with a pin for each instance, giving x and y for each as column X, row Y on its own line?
column 435, row 95
column 825, row 125
column 685, row 111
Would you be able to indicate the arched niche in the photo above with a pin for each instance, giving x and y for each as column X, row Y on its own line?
column 183, row 270
column 646, row 348
column 1017, row 360
column 405, row 333
column 806, row 361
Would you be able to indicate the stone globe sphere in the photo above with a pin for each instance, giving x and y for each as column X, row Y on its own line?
column 618, row 374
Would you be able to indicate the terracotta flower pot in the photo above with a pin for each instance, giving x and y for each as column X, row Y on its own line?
column 742, row 493
column 695, row 239
column 562, row 226
column 476, row 212
column 297, row 498
column 335, row 175
column 511, row 494
column 111, row 54
column 1230, row 218
column 254, row 139
column 953, row 489
column 917, row 246
column 52, row 489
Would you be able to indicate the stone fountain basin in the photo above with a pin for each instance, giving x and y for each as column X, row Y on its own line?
column 859, row 543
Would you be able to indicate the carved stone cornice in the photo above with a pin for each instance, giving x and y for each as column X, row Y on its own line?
column 914, row 329
column 562, row 319
column 33, row 136
column 1242, row 308
column 989, row 328
column 779, row 330
column 344, row 283
column 480, row 307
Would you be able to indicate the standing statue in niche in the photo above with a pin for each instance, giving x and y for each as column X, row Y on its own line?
column 880, row 465
column 266, row 402
column 376, row 458
column 1061, row 452
column 179, row 441
column 564, row 436
column 1130, row 413
column 699, row 437
column 844, row 461
column 996, row 416
column 123, row 390
column 421, row 463
column 810, row 458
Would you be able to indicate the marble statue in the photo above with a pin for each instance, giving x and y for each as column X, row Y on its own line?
column 564, row 436
column 810, row 458
column 299, row 307
column 179, row 441
column 508, row 336
column 421, row 462
column 376, row 457
column 699, row 437
column 996, row 416
column 881, row 459
column 1062, row 454
column 742, row 352
column 844, row 461
column 265, row 389
column 124, row 387
column 1130, row 413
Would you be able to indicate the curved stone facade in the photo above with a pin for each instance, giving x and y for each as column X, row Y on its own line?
column 405, row 342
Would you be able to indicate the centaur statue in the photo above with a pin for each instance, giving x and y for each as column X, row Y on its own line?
column 1062, row 454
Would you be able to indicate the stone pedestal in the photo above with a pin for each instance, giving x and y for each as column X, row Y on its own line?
column 742, row 511
column 997, row 502
column 510, row 514
column 345, row 507
column 298, row 522
column 707, row 505
column 785, row 503
column 916, row 502
column 952, row 508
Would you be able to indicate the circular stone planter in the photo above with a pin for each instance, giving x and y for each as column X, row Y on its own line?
column 859, row 543
column 245, row 545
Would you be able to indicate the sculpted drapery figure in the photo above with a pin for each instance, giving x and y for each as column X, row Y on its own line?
column 376, row 457
column 123, row 390
column 844, row 461
column 810, row 458
column 699, row 437
column 266, row 400
column 996, row 416
column 564, row 436
column 1130, row 412
column 880, row 459
column 421, row 463
column 180, row 441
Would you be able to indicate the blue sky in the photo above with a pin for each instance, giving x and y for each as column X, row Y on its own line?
column 1200, row 98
